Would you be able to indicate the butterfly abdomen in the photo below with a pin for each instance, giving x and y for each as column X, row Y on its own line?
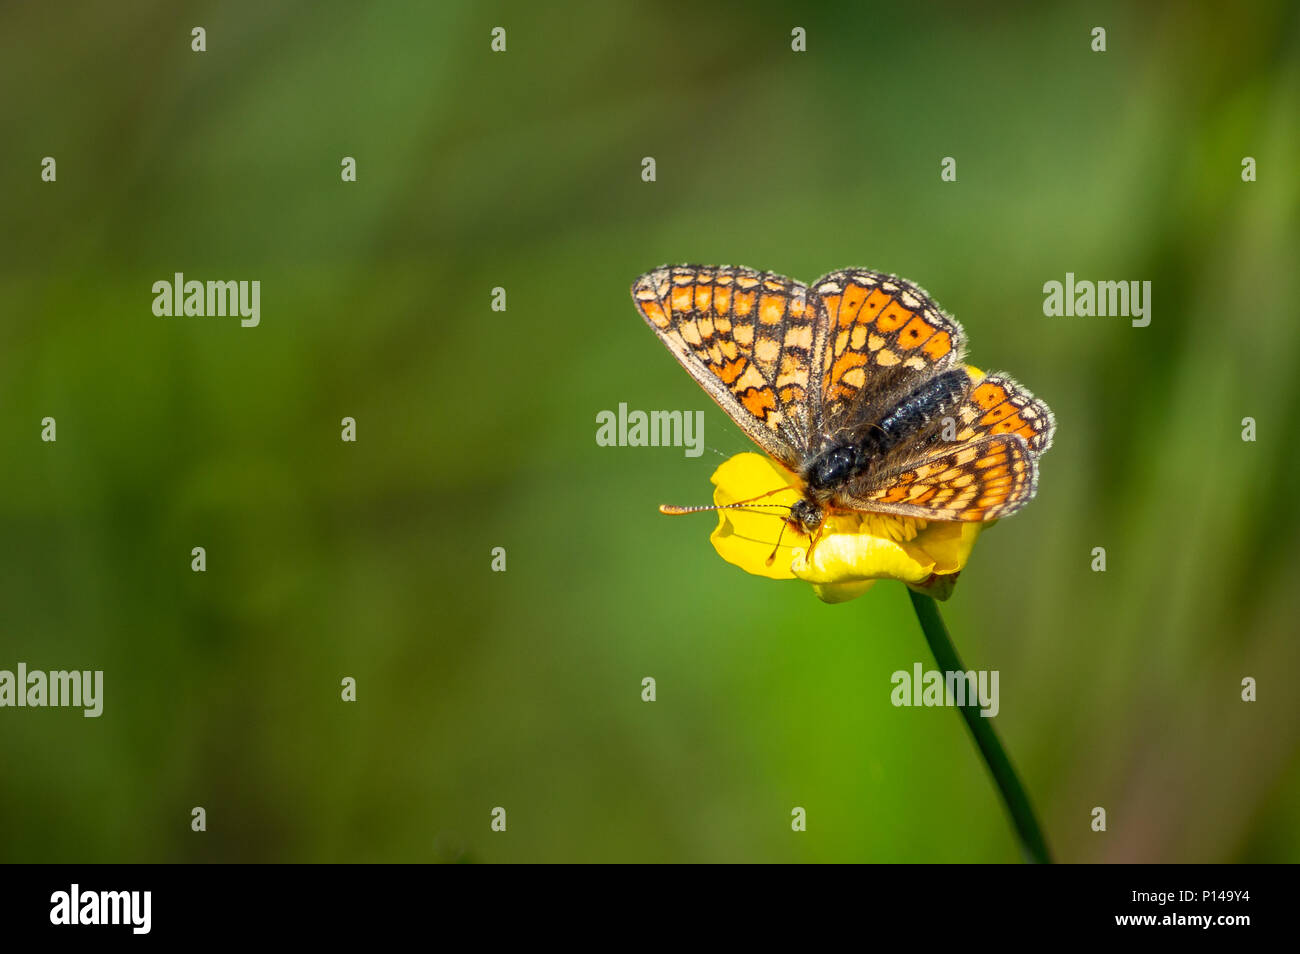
column 920, row 412
column 917, row 415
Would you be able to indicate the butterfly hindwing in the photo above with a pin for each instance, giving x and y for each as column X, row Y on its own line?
column 983, row 479
column 747, row 338
column 998, row 405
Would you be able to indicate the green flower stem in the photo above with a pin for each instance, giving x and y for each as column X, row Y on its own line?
column 1013, row 793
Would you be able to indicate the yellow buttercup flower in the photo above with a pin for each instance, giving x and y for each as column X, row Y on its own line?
column 854, row 549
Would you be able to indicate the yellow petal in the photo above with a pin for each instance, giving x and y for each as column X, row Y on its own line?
column 747, row 537
column 949, row 544
column 853, row 557
column 841, row 592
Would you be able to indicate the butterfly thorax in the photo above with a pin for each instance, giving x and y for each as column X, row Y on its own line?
column 832, row 467
column 823, row 476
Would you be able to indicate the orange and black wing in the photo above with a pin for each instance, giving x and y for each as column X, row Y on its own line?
column 998, row 405
column 747, row 339
column 878, row 337
column 984, row 468
column 984, row 479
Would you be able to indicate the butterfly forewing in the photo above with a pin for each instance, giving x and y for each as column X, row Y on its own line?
column 747, row 338
column 879, row 336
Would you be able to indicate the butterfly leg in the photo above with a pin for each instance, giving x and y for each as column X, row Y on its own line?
column 813, row 539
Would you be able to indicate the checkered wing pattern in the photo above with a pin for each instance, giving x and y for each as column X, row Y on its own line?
column 879, row 337
column 985, row 479
column 747, row 338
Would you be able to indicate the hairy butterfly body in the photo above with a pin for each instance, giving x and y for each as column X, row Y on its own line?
column 856, row 384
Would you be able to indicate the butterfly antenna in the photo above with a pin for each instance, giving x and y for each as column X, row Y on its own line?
column 812, row 543
column 674, row 510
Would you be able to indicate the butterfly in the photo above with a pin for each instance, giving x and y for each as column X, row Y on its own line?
column 857, row 385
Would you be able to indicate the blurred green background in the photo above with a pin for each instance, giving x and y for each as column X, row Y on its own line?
column 477, row 429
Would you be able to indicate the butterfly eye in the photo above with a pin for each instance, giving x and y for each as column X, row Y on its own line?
column 807, row 515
